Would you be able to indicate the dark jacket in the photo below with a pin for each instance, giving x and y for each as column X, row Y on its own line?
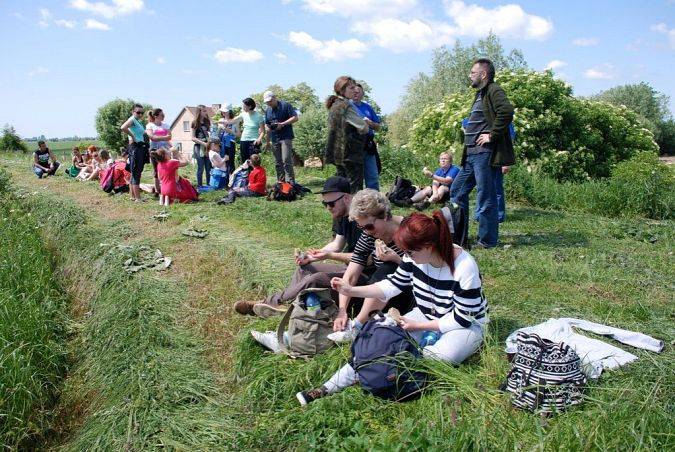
column 345, row 142
column 498, row 113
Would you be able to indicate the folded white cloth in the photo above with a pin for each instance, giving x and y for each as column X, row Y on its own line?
column 595, row 354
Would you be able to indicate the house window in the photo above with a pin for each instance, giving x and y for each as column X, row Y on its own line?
column 186, row 126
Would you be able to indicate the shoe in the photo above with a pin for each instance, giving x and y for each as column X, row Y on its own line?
column 422, row 205
column 306, row 397
column 482, row 246
column 268, row 339
column 266, row 311
column 244, row 307
column 345, row 336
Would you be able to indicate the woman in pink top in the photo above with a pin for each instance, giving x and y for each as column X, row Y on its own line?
column 173, row 186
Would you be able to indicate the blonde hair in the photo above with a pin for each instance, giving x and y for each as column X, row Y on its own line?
column 369, row 203
column 449, row 154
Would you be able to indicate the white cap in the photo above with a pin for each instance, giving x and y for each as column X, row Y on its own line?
column 225, row 107
column 267, row 96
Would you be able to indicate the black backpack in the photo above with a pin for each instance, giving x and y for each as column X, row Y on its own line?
column 458, row 223
column 379, row 356
column 401, row 192
column 283, row 191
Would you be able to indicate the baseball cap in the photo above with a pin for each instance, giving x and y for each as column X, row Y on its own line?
column 225, row 107
column 267, row 96
column 336, row 184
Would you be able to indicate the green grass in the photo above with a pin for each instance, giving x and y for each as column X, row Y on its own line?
column 614, row 271
column 62, row 149
column 32, row 328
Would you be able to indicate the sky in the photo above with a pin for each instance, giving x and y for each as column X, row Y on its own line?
column 61, row 60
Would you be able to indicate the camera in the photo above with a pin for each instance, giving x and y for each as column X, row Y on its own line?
column 274, row 125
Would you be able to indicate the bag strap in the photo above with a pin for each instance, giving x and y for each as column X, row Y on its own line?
column 282, row 328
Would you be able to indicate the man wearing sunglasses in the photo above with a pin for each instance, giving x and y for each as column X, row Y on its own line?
column 311, row 272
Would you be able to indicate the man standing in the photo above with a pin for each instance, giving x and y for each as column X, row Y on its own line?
column 138, row 150
column 371, row 167
column 279, row 118
column 487, row 147
column 311, row 272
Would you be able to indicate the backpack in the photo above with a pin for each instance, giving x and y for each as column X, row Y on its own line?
column 283, row 191
column 113, row 179
column 377, row 357
column 401, row 192
column 307, row 330
column 545, row 376
column 239, row 179
column 457, row 223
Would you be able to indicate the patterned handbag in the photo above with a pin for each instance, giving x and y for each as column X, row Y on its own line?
column 546, row 376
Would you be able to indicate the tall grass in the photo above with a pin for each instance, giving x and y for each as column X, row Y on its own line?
column 32, row 327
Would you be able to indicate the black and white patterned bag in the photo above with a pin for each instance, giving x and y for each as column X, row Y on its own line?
column 546, row 376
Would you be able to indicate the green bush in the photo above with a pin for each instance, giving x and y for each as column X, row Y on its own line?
column 10, row 141
column 109, row 119
column 558, row 135
column 311, row 132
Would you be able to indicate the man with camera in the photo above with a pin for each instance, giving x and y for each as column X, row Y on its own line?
column 279, row 117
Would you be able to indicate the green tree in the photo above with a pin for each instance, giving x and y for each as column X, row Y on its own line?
column 109, row 119
column 311, row 133
column 10, row 141
column 301, row 96
column 449, row 74
column 650, row 105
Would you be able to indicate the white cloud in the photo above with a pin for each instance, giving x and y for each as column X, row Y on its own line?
column 93, row 24
column 555, row 64
column 108, row 10
column 204, row 39
column 45, row 16
column 507, row 21
column 603, row 72
column 281, row 57
column 65, row 23
column 231, row 55
column 585, row 42
column 331, row 50
column 161, row 60
column 38, row 71
column 361, row 8
column 400, row 36
column 663, row 29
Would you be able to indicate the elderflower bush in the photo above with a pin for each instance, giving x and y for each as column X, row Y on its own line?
column 557, row 135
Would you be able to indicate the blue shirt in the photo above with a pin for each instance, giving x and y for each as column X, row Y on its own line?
column 137, row 130
column 453, row 171
column 367, row 112
column 283, row 111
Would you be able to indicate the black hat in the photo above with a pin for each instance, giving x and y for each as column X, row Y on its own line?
column 336, row 184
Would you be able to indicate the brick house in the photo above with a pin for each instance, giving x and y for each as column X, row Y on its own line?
column 181, row 130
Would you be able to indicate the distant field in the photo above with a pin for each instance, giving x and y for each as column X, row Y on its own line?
column 62, row 148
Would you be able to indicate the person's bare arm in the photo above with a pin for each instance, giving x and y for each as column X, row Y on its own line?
column 125, row 129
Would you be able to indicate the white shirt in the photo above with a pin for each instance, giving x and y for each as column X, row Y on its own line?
column 217, row 161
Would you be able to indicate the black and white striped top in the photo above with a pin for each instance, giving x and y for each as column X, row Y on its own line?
column 365, row 246
column 457, row 301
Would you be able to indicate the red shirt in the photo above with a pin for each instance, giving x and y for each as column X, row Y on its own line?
column 257, row 180
column 167, row 171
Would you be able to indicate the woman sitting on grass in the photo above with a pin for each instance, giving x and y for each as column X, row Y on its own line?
column 172, row 185
column 77, row 163
column 446, row 285
column 90, row 161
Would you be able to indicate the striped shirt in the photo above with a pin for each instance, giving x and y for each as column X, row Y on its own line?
column 365, row 247
column 455, row 300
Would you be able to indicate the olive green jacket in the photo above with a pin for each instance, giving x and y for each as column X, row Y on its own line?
column 498, row 113
column 346, row 134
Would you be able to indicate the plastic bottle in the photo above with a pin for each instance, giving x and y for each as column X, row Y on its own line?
column 429, row 338
column 312, row 302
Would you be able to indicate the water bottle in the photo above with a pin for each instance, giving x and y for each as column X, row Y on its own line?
column 429, row 338
column 312, row 302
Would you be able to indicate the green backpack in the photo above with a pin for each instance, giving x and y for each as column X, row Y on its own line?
column 307, row 329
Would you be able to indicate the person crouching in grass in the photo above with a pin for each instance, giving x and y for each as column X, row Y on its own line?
column 41, row 161
column 257, row 183
column 173, row 187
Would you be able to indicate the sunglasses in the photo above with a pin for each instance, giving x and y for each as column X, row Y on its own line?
column 138, row 112
column 331, row 204
column 367, row 227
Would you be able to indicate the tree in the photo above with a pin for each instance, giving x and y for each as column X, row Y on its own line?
column 10, row 141
column 311, row 133
column 650, row 105
column 449, row 74
column 109, row 119
column 301, row 96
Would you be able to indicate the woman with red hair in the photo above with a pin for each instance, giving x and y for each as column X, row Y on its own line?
column 446, row 285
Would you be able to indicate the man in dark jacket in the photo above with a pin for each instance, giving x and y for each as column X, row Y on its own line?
column 487, row 147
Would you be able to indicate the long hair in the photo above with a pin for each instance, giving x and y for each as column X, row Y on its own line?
column 419, row 231
column 152, row 114
column 201, row 118
column 158, row 154
column 339, row 87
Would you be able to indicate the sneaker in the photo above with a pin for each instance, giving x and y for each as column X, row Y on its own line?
column 266, row 311
column 244, row 307
column 422, row 205
column 345, row 336
column 305, row 397
column 268, row 339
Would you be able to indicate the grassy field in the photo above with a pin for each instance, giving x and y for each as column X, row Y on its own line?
column 62, row 148
column 139, row 334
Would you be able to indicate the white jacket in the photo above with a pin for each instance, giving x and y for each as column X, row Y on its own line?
column 595, row 354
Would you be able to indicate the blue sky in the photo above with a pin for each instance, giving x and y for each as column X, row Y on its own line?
column 61, row 60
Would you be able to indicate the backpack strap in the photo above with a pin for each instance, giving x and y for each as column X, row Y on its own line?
column 282, row 328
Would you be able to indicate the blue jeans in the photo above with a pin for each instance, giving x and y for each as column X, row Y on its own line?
column 39, row 172
column 501, row 200
column 370, row 173
column 477, row 172
column 203, row 163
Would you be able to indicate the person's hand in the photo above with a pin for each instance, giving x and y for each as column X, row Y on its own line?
column 340, row 285
column 340, row 322
column 426, row 172
column 409, row 325
column 257, row 142
column 483, row 138
column 385, row 254
column 318, row 255
column 506, row 169
column 303, row 259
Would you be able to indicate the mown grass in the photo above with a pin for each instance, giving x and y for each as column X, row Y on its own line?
column 553, row 264
column 32, row 328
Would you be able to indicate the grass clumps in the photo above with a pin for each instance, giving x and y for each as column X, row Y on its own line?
column 32, row 327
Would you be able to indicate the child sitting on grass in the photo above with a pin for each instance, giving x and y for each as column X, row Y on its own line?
column 173, row 187
column 77, row 163
column 219, row 170
column 257, row 183
column 442, row 178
